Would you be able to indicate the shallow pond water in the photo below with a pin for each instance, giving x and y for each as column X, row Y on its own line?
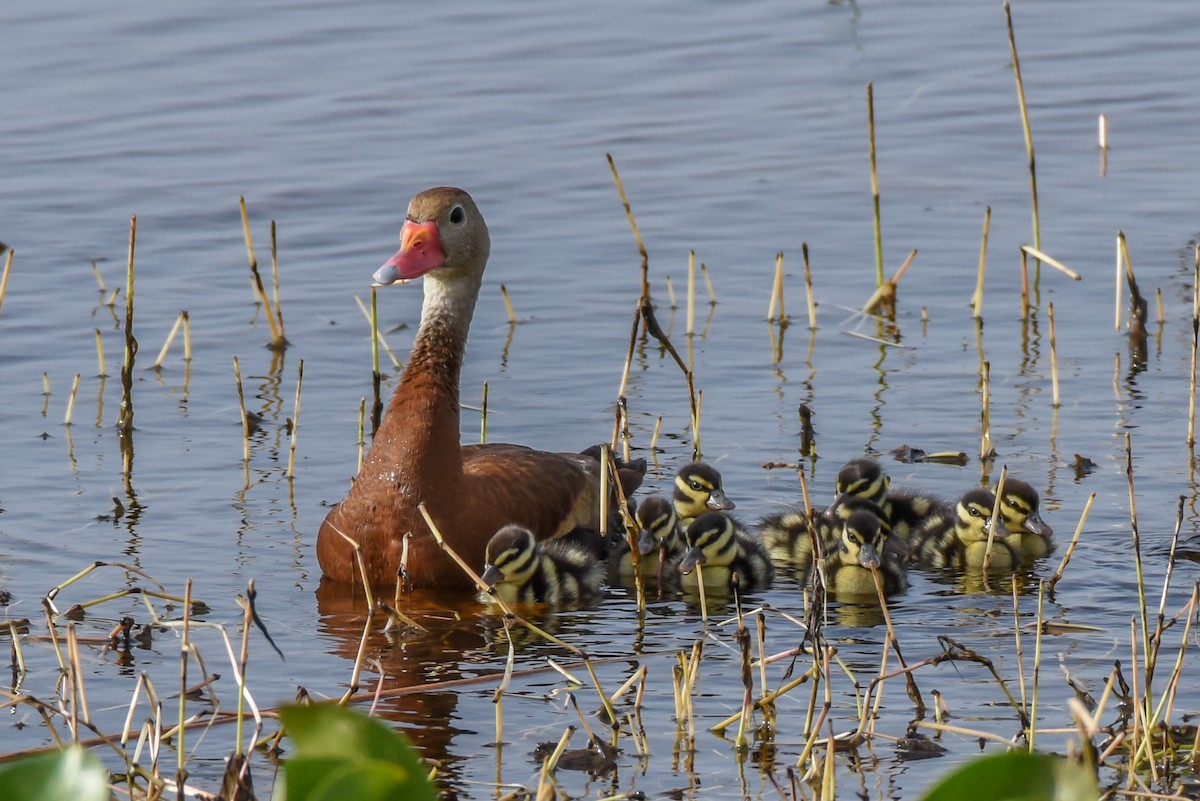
column 739, row 132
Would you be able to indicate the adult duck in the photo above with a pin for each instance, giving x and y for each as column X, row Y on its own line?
column 470, row 491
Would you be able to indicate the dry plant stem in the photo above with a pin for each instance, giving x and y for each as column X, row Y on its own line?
column 1191, row 438
column 275, row 284
column 657, row 431
column 874, row 187
column 1037, row 663
column 914, row 693
column 691, row 293
column 1058, row 574
column 260, row 293
column 8, row 260
column 986, row 450
column 637, row 235
column 237, row 374
column 1024, row 286
column 362, row 433
column 708, row 285
column 977, row 298
column 71, row 401
column 291, row 468
column 483, row 417
column 1014, row 585
column 498, row 695
column 1137, row 545
column 162, row 354
column 512, row 316
column 103, row 369
column 1156, row 639
column 1012, row 43
column 1055, row 402
column 185, row 646
column 125, row 418
column 777, row 290
column 1118, row 282
column 992, row 521
column 372, row 317
column 886, row 292
column 1055, row 263
column 808, row 288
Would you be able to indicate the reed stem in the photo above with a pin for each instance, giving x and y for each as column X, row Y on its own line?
column 162, row 354
column 874, row 187
column 977, row 298
column 1053, row 358
column 777, row 290
column 71, row 401
column 637, row 234
column 260, row 292
column 691, row 293
column 291, row 468
column 808, row 289
column 8, row 262
column 237, row 374
column 103, row 368
column 1012, row 42
column 512, row 316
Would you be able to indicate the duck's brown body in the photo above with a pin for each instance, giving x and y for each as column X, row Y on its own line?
column 416, row 456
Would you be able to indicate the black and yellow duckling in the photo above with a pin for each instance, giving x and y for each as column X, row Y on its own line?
column 729, row 557
column 1029, row 535
column 789, row 536
column 698, row 490
column 859, row 549
column 905, row 509
column 659, row 542
column 959, row 538
column 519, row 569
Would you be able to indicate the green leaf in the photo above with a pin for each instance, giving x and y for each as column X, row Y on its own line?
column 340, row 753
column 72, row 774
column 1017, row 776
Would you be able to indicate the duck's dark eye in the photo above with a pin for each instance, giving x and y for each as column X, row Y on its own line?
column 696, row 485
column 457, row 215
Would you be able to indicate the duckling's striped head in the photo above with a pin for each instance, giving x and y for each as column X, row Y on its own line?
column 1019, row 506
column 656, row 523
column 511, row 555
column 847, row 504
column 698, row 489
column 972, row 513
column 862, row 539
column 863, row 478
column 711, row 540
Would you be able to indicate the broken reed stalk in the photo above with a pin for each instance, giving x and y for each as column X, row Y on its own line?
column 1119, row 280
column 777, row 290
column 874, row 187
column 260, row 293
column 977, row 298
column 1053, row 358
column 103, row 368
column 275, row 284
column 885, row 294
column 71, row 401
column 691, row 293
column 1024, row 285
column 237, row 374
column 808, row 288
column 483, row 416
column 371, row 315
column 637, row 234
column 671, row 293
column 1055, row 263
column 1037, row 662
column 512, row 316
column 1016, row 63
column 291, row 468
column 914, row 693
column 185, row 648
column 1137, row 542
column 1191, row 438
column 708, row 284
column 993, row 521
column 162, row 354
column 1058, row 574
column 8, row 260
column 125, row 417
column 986, row 450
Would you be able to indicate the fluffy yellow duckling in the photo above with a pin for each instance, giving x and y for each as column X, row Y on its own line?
column 698, row 490
column 659, row 542
column 1029, row 535
column 556, row 572
column 729, row 557
column 860, row 548
column 959, row 538
column 905, row 509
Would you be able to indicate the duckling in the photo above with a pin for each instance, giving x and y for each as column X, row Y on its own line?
column 789, row 536
column 730, row 557
column 698, row 490
column 659, row 542
column 521, row 570
column 859, row 549
column 905, row 509
column 1029, row 535
column 959, row 538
